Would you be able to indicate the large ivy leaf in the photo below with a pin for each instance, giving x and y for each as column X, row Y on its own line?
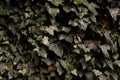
column 56, row 48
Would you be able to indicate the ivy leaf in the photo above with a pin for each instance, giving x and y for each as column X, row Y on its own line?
column 97, row 72
column 87, row 57
column 104, row 48
column 83, row 24
column 46, row 60
column 114, row 75
column 51, row 30
column 65, row 64
column 52, row 11
column 77, row 2
column 41, row 52
column 45, row 40
column 23, row 72
column 114, row 12
column 59, row 68
column 117, row 62
column 74, row 72
column 56, row 48
column 110, row 64
column 57, row 2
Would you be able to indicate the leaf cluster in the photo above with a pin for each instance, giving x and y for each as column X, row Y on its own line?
column 59, row 39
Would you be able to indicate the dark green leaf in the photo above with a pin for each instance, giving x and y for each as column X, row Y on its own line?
column 56, row 48
column 104, row 49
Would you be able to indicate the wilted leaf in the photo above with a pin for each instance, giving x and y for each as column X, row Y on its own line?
column 56, row 48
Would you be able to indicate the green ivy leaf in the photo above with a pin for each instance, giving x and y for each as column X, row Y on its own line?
column 60, row 70
column 77, row 2
column 104, row 48
column 23, row 72
column 51, row 30
column 65, row 64
column 56, row 48
column 114, row 12
column 52, row 11
column 41, row 52
column 74, row 72
column 97, row 72
column 117, row 62
column 57, row 2
column 87, row 57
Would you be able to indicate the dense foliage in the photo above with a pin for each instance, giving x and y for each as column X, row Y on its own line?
column 59, row 39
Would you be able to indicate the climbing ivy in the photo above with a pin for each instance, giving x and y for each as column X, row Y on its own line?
column 59, row 39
